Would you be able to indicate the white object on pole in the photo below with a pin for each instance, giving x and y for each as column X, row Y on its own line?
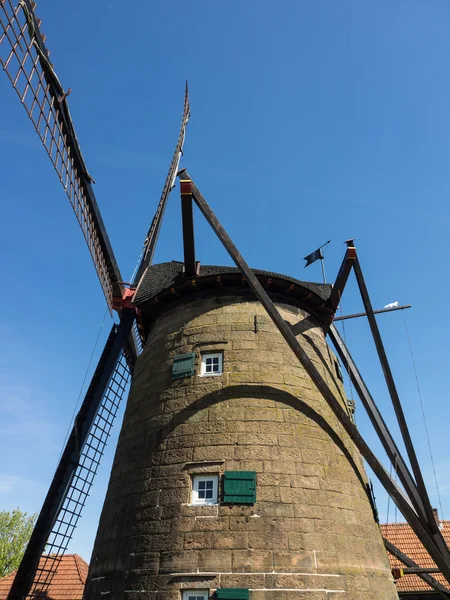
column 392, row 305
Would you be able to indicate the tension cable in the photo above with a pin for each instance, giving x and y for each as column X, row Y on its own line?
column 423, row 415
column 75, row 408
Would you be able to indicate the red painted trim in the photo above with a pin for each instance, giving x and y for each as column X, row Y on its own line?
column 186, row 187
column 126, row 301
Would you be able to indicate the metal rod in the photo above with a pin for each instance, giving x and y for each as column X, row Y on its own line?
column 70, row 458
column 378, row 423
column 402, row 557
column 432, row 525
column 375, row 312
column 322, row 386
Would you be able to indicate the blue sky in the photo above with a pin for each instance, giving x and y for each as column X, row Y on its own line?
column 309, row 121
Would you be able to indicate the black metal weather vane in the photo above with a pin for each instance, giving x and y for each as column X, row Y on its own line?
column 317, row 255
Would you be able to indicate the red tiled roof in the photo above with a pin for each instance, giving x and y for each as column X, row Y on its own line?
column 67, row 584
column 402, row 536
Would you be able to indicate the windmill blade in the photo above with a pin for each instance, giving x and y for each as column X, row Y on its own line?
column 148, row 249
column 25, row 59
column 77, row 468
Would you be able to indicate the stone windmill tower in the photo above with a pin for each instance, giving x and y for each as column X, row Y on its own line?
column 238, row 472
column 231, row 472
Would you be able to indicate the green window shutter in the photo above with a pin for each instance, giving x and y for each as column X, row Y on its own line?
column 232, row 593
column 239, row 487
column 183, row 365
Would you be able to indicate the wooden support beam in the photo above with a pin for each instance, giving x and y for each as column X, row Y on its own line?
column 378, row 422
column 341, row 279
column 188, row 228
column 417, row 570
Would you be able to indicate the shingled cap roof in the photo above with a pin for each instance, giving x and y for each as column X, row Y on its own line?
column 403, row 537
column 166, row 275
column 162, row 279
column 67, row 584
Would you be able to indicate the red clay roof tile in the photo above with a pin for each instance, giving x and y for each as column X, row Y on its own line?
column 402, row 536
column 67, row 584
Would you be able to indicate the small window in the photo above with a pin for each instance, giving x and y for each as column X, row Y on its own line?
column 195, row 595
column 212, row 364
column 204, row 489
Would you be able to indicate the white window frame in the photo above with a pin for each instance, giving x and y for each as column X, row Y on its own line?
column 206, row 355
column 196, row 478
column 204, row 594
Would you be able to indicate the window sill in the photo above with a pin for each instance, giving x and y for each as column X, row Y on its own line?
column 202, row 463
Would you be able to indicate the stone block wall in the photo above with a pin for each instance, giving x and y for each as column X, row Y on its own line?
column 311, row 533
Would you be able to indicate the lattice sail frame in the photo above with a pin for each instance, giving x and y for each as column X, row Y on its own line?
column 148, row 249
column 78, row 492
column 24, row 58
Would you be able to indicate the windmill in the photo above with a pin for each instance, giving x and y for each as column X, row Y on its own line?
column 25, row 59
